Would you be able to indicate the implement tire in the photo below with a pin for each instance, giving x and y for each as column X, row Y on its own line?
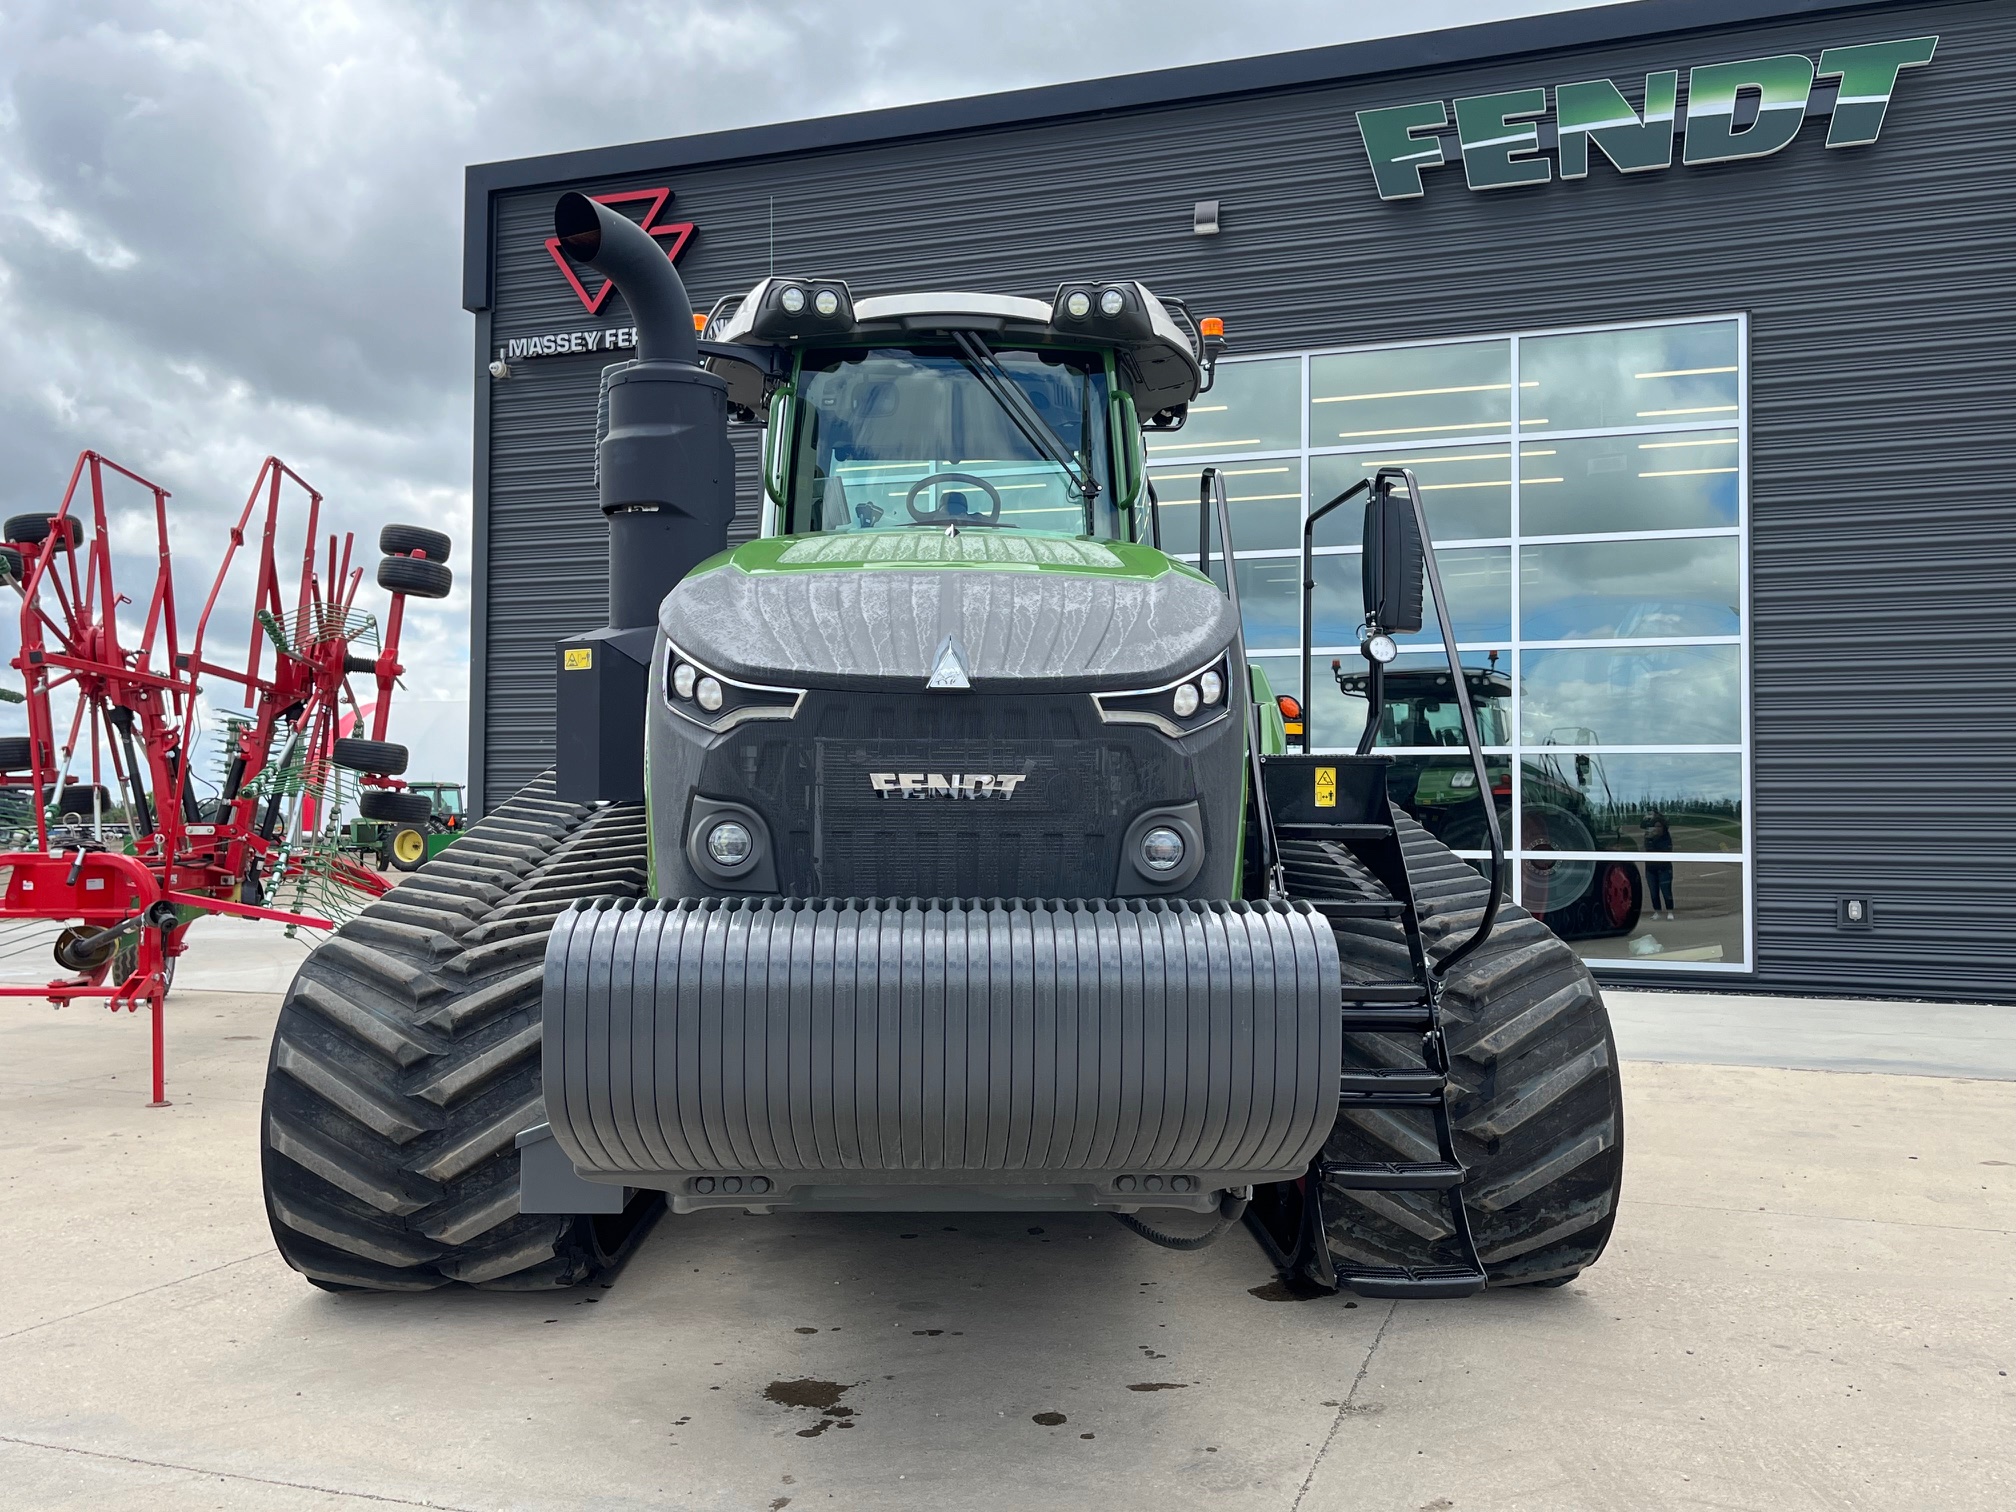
column 406, row 1062
column 1535, row 1099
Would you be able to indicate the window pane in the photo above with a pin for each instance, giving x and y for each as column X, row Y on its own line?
column 1654, row 375
column 1467, row 491
column 1264, row 498
column 1640, row 803
column 1440, row 792
column 1616, row 483
column 1603, row 589
column 1270, row 600
column 1653, row 695
column 1410, row 395
column 1252, row 406
column 1704, row 899
column 1478, row 582
column 1420, row 705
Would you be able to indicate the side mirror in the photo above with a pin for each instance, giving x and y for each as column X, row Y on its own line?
column 749, row 371
column 1392, row 563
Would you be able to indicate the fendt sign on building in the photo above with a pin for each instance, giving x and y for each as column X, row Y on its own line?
column 1500, row 136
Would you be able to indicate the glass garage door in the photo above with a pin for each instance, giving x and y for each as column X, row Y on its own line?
column 1587, row 490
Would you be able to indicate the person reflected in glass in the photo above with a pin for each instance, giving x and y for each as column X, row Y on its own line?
column 1658, row 874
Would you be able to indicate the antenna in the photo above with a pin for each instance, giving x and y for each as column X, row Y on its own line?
column 773, row 234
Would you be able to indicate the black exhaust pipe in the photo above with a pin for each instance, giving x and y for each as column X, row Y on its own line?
column 667, row 487
column 623, row 252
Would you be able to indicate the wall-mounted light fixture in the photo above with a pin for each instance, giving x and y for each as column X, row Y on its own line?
column 1204, row 218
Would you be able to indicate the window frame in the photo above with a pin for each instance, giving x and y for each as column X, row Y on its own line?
column 1516, row 647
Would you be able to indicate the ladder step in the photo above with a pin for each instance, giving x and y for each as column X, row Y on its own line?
column 1394, row 1175
column 1338, row 831
column 1387, row 1081
column 1413, row 1280
column 1356, row 908
column 1367, row 993
column 1387, row 1020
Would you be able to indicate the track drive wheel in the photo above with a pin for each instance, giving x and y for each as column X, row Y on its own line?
column 406, row 1062
column 1535, row 1099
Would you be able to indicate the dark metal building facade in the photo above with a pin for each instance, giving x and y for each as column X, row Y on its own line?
column 1877, row 286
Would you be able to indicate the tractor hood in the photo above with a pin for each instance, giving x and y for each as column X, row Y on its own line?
column 867, row 610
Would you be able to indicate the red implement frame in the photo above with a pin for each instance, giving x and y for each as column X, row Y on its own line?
column 136, row 706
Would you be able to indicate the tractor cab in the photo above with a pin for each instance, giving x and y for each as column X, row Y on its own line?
column 446, row 800
column 958, row 411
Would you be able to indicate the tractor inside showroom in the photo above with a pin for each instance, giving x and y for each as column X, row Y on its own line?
column 939, row 850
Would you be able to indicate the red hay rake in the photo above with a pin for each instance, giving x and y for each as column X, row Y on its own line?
column 129, row 898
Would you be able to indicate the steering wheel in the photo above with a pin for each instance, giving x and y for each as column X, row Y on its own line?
column 945, row 517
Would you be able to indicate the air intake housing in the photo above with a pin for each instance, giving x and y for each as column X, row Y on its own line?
column 667, row 488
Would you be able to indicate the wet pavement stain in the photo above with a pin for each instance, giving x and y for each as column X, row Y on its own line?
column 1289, row 1289
column 822, row 1397
column 1159, row 1386
column 1047, row 1419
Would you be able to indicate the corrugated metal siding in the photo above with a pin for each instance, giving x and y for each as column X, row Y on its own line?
column 1881, row 287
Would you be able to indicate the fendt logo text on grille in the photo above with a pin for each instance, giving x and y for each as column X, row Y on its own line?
column 1000, row 785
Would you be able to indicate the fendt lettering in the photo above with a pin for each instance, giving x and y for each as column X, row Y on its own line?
column 1212, row 947
column 1000, row 785
column 1502, row 137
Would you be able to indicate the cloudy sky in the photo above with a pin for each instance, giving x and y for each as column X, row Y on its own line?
column 229, row 229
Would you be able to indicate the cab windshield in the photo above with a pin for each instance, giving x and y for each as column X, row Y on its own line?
column 898, row 438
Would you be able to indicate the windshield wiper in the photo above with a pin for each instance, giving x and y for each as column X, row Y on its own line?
column 1037, row 431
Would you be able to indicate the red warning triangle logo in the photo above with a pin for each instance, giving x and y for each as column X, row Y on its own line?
column 678, row 232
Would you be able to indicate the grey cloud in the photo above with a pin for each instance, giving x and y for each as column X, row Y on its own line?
column 228, row 229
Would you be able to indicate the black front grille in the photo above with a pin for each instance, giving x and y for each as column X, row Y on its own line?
column 1058, row 834
column 1053, row 830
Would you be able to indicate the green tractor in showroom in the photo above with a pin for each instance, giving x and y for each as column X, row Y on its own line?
column 937, row 850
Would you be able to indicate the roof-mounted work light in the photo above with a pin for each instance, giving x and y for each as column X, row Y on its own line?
column 797, row 308
column 1115, row 310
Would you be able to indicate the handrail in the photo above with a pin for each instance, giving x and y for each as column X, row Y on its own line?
column 1211, row 502
column 1382, row 487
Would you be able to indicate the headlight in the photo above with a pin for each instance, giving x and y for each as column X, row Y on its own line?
column 793, row 298
column 1112, row 302
column 1162, row 850
column 1176, row 708
column 730, row 842
column 1079, row 305
column 827, row 302
column 720, row 703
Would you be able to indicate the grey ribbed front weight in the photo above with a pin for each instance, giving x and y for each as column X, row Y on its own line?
column 852, row 1053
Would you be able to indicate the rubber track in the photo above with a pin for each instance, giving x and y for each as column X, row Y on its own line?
column 406, row 1062
column 1536, row 1102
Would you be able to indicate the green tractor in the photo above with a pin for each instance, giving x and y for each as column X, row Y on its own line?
column 427, row 825
column 938, row 850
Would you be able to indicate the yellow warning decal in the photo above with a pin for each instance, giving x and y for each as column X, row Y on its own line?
column 578, row 658
column 1326, row 787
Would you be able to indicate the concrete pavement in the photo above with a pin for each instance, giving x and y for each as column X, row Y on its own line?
column 1810, row 1303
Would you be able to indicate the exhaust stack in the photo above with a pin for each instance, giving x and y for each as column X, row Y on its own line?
column 667, row 489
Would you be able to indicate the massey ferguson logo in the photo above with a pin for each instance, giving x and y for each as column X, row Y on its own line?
column 680, row 232
column 938, row 785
